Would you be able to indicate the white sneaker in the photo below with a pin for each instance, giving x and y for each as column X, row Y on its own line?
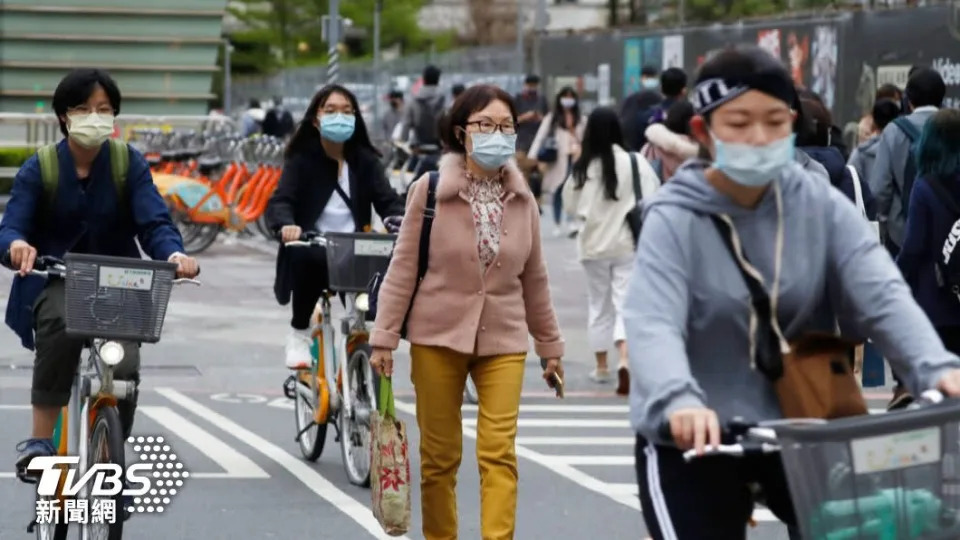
column 601, row 376
column 298, row 349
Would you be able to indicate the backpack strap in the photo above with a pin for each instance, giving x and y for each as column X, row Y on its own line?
column 907, row 127
column 637, row 189
column 944, row 195
column 49, row 172
column 119, row 167
column 423, row 257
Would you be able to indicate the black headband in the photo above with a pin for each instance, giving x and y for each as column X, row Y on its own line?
column 711, row 93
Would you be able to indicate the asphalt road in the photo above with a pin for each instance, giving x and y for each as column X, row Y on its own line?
column 212, row 388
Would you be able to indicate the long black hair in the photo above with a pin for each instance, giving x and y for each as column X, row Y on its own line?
column 558, row 110
column 603, row 131
column 307, row 137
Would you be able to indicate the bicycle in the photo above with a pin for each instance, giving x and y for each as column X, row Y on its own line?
column 107, row 299
column 346, row 403
column 889, row 476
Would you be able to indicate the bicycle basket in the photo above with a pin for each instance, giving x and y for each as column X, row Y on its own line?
column 116, row 297
column 878, row 477
column 353, row 259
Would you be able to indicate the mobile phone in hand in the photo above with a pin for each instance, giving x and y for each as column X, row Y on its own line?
column 555, row 381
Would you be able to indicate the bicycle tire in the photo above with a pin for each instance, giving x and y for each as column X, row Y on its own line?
column 205, row 236
column 303, row 412
column 51, row 531
column 358, row 363
column 107, row 422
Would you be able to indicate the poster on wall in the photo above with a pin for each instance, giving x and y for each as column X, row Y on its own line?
column 632, row 64
column 896, row 75
column 653, row 52
column 769, row 40
column 798, row 55
column 825, row 64
column 673, row 51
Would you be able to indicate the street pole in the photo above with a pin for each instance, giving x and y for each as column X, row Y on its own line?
column 376, row 62
column 540, row 26
column 520, row 37
column 227, row 81
column 333, row 40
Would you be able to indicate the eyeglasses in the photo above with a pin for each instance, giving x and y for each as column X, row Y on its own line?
column 486, row 126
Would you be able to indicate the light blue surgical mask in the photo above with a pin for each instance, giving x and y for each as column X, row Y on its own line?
column 753, row 166
column 650, row 84
column 492, row 150
column 337, row 127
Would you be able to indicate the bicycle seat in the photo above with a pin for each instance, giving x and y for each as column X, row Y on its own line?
column 207, row 166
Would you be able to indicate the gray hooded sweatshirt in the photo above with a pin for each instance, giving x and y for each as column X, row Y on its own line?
column 687, row 310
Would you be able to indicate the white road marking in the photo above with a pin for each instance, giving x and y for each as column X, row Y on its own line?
column 234, row 464
column 576, row 441
column 228, row 397
column 300, row 470
column 573, row 408
column 282, row 403
column 576, row 476
column 590, row 460
column 563, row 422
column 16, row 407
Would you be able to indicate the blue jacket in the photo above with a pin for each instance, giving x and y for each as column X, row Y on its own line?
column 832, row 160
column 928, row 223
column 93, row 210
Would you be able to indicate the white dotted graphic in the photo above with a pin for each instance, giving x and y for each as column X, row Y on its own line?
column 155, row 451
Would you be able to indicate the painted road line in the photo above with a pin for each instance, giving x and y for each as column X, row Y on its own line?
column 234, row 464
column 591, row 460
column 572, row 408
column 15, row 407
column 570, row 473
column 576, row 441
column 563, row 422
column 282, row 403
column 359, row 512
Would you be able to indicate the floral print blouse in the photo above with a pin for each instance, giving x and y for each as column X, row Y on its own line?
column 486, row 200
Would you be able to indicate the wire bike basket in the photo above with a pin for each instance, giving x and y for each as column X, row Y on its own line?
column 117, row 297
column 893, row 476
column 354, row 258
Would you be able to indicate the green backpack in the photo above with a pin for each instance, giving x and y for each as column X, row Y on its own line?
column 50, row 171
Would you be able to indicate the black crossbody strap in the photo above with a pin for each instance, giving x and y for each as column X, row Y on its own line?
column 765, row 343
column 637, row 189
column 423, row 254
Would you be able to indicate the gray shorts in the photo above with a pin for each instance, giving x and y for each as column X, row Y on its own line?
column 58, row 354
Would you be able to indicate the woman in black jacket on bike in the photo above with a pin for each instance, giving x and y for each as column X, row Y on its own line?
column 332, row 175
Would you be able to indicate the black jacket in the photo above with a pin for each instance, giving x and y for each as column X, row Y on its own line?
column 308, row 182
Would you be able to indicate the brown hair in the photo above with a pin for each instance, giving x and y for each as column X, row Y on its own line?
column 470, row 101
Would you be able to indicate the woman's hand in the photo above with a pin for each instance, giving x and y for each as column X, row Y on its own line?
column 553, row 366
column 695, row 427
column 950, row 383
column 382, row 361
column 290, row 233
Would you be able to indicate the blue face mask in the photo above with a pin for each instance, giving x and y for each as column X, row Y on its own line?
column 492, row 150
column 337, row 127
column 650, row 84
column 753, row 166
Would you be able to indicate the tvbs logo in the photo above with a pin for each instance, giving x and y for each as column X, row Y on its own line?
column 148, row 484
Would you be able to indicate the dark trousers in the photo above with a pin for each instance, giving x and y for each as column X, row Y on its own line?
column 58, row 356
column 310, row 280
column 709, row 498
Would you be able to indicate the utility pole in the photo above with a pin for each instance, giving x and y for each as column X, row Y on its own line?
column 376, row 62
column 540, row 26
column 227, row 80
column 520, row 18
column 333, row 40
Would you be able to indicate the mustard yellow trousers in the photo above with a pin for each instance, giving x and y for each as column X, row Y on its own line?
column 439, row 376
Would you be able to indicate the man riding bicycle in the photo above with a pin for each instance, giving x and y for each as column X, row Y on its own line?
column 86, row 194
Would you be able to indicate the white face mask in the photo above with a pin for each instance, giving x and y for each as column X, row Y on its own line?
column 90, row 130
column 568, row 102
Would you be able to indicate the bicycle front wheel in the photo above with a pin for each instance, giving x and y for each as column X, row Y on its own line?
column 311, row 435
column 107, row 446
column 360, row 389
column 55, row 529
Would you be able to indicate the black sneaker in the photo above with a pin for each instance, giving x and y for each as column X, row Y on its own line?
column 28, row 450
column 901, row 399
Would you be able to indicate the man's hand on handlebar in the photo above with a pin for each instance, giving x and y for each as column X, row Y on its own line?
column 695, row 427
column 187, row 267
column 290, row 233
column 392, row 223
column 22, row 257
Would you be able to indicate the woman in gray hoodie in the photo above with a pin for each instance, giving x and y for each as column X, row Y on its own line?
column 688, row 312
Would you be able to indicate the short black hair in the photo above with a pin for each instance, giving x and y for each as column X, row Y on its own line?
column 77, row 87
column 648, row 71
column 431, row 75
column 672, row 82
column 885, row 111
column 470, row 101
column 457, row 89
column 532, row 79
column 678, row 117
column 889, row 91
column 254, row 104
column 926, row 88
column 913, row 69
column 396, row 94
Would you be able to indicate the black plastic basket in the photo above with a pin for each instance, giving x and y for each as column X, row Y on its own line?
column 353, row 259
column 877, row 477
column 117, row 297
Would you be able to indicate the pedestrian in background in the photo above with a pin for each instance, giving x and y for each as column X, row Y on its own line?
column 531, row 108
column 252, row 120
column 487, row 268
column 555, row 148
column 867, row 128
column 669, row 144
column 601, row 194
column 930, row 220
column 637, row 107
column 278, row 121
column 862, row 158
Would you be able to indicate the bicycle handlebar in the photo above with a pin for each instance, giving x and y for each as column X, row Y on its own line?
column 47, row 266
column 308, row 239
